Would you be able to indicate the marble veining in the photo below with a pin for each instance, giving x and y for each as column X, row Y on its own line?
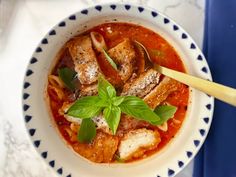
column 30, row 21
column 19, row 156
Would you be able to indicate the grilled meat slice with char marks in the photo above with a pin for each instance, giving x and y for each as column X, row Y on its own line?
column 161, row 92
column 141, row 85
column 100, row 150
column 136, row 142
column 88, row 90
column 123, row 55
column 84, row 59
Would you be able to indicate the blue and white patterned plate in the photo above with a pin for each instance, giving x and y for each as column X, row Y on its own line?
column 46, row 139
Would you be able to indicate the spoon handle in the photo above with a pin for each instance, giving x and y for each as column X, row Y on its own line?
column 219, row 91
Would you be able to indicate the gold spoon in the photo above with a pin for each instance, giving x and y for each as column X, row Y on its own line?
column 219, row 91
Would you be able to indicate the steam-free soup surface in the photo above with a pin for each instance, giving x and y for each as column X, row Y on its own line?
column 134, row 139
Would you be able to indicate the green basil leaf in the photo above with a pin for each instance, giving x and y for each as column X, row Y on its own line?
column 87, row 131
column 138, row 109
column 105, row 89
column 112, row 117
column 116, row 101
column 109, row 59
column 165, row 112
column 67, row 75
column 86, row 107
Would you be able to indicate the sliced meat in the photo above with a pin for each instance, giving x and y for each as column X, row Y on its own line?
column 128, row 123
column 136, row 142
column 161, row 92
column 99, row 120
column 88, row 90
column 100, row 150
column 123, row 55
column 142, row 85
column 84, row 58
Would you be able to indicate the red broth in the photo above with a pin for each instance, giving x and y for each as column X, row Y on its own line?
column 161, row 53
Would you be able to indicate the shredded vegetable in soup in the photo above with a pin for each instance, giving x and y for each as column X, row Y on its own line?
column 108, row 102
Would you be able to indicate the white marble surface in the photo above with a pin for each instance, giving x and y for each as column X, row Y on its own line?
column 20, row 32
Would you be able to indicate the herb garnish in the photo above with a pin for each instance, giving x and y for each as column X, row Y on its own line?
column 109, row 59
column 67, row 75
column 165, row 112
column 86, row 107
column 111, row 106
column 87, row 131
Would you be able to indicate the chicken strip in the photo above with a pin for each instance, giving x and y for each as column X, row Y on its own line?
column 161, row 92
column 100, row 150
column 141, row 85
column 136, row 142
column 123, row 55
column 84, row 58
column 88, row 90
column 128, row 123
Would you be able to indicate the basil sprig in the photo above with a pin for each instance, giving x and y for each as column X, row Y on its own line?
column 165, row 112
column 67, row 75
column 111, row 105
column 112, row 117
column 87, row 131
column 106, row 91
column 138, row 109
column 86, row 107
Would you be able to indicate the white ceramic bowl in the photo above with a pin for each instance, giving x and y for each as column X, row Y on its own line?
column 39, row 124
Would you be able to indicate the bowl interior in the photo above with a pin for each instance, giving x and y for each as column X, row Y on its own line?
column 47, row 139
